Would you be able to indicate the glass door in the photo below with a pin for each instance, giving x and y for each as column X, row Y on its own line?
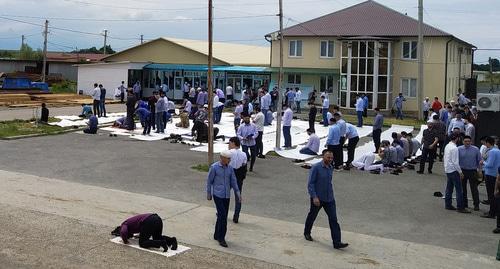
column 177, row 92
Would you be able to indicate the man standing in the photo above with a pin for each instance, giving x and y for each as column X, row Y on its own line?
column 470, row 130
column 239, row 164
column 259, row 124
column 298, row 99
column 312, row 146
column 137, row 90
column 333, row 142
column 265, row 103
column 229, row 92
column 320, row 188
column 454, row 175
column 122, row 89
column 457, row 122
column 237, row 114
column 436, row 105
column 430, row 139
column 352, row 135
column 469, row 159
column 313, row 111
column 359, row 110
column 221, row 179
column 130, row 110
column 96, row 96
column 378, row 122
column 247, row 133
column 343, row 130
column 290, row 98
column 398, row 104
column 324, row 109
column 220, row 94
column 365, row 105
column 426, row 105
column 287, row 125
column 490, row 167
column 102, row 103
column 160, row 108
column 185, row 90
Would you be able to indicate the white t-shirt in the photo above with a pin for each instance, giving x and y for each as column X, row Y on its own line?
column 229, row 90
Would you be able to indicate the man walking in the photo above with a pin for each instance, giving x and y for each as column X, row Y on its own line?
column 378, row 122
column 122, row 89
column 247, row 133
column 430, row 139
column 320, row 188
column 398, row 104
column 426, row 105
column 324, row 109
column 469, row 158
column 221, row 179
column 490, row 167
column 287, row 125
column 259, row 125
column 359, row 110
column 239, row 164
column 454, row 175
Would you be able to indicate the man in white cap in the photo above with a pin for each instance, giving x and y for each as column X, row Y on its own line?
column 221, row 179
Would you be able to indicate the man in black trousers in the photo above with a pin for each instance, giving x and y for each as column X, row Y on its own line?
column 378, row 122
column 320, row 190
column 313, row 111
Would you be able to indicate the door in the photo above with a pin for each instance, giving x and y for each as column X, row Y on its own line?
column 177, row 92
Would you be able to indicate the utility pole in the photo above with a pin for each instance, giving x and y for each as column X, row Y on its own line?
column 105, row 41
column 280, row 80
column 420, row 51
column 490, row 62
column 22, row 41
column 142, row 39
column 210, row 90
column 45, row 34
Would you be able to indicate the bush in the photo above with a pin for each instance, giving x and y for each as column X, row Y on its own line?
column 63, row 87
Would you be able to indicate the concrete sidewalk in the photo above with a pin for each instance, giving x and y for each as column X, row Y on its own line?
column 7, row 114
column 265, row 239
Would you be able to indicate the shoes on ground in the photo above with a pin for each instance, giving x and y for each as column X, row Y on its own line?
column 476, row 208
column 340, row 245
column 485, row 202
column 420, row 172
column 463, row 210
column 223, row 243
column 451, row 208
column 497, row 230
column 488, row 216
column 235, row 219
column 308, row 237
column 430, row 172
column 173, row 244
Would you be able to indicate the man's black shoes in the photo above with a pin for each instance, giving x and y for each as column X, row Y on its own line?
column 340, row 245
column 223, row 243
column 308, row 237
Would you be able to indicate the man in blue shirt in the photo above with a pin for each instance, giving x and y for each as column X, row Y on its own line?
column 490, row 168
column 102, row 104
column 497, row 201
column 145, row 117
column 360, row 107
column 325, row 106
column 343, row 130
column 92, row 129
column 352, row 135
column 247, row 133
column 469, row 158
column 398, row 104
column 221, row 179
column 378, row 122
column 333, row 142
column 320, row 190
column 365, row 105
column 312, row 146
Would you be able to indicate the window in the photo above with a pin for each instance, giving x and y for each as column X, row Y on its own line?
column 410, row 50
column 326, row 83
column 294, row 79
column 409, row 87
column 327, row 49
column 295, row 48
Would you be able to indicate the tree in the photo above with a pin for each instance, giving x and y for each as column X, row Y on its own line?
column 495, row 64
column 27, row 53
column 94, row 50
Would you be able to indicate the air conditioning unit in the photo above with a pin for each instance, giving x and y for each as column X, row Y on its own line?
column 488, row 102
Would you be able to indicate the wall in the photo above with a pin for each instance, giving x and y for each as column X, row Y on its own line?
column 10, row 66
column 162, row 51
column 310, row 54
column 67, row 70
column 109, row 75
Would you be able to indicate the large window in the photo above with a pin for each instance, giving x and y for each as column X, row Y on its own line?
column 294, row 79
column 326, row 83
column 409, row 87
column 410, row 50
column 295, row 48
column 327, row 49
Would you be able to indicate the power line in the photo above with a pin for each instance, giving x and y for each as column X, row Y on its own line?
column 131, row 7
column 16, row 37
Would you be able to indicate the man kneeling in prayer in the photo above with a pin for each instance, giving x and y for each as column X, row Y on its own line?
column 367, row 163
column 147, row 225
column 200, row 131
column 92, row 125
column 312, row 146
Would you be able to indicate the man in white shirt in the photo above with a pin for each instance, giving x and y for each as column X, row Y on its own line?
column 359, row 110
column 259, row 124
column 426, row 105
column 366, row 163
column 229, row 92
column 454, row 175
column 324, row 109
column 185, row 90
column 287, row 125
column 239, row 164
column 470, row 130
column 96, row 96
column 215, row 105
column 298, row 99
column 312, row 147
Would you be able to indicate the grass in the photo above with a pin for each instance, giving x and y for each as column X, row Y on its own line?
column 63, row 87
column 200, row 167
column 22, row 127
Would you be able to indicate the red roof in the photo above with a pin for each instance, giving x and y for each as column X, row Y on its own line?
column 365, row 19
column 74, row 57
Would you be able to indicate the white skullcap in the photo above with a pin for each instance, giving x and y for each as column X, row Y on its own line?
column 226, row 153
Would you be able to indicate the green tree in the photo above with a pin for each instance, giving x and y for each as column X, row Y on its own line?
column 27, row 53
column 94, row 50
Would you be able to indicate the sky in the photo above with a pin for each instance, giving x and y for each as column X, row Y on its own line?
column 238, row 21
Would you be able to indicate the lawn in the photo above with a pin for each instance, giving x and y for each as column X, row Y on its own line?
column 200, row 167
column 22, row 127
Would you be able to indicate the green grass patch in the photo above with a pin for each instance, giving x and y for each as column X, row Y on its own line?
column 200, row 167
column 272, row 153
column 22, row 127
column 63, row 87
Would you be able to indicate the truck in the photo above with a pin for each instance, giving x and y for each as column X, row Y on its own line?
column 23, row 85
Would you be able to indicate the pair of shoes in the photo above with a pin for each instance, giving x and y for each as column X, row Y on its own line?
column 223, row 243
column 395, row 173
column 308, row 237
column 420, row 172
column 430, row 172
column 463, row 210
column 173, row 243
column 347, row 168
column 164, row 245
column 236, row 219
column 251, row 170
column 485, row 202
column 497, row 230
column 451, row 208
column 261, row 156
column 488, row 216
column 476, row 208
column 340, row 245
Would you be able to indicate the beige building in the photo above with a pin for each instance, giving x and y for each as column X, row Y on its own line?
column 372, row 49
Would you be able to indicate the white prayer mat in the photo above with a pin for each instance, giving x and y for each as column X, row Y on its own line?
column 134, row 243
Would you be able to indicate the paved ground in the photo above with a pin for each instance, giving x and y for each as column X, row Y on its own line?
column 397, row 207
column 27, row 113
